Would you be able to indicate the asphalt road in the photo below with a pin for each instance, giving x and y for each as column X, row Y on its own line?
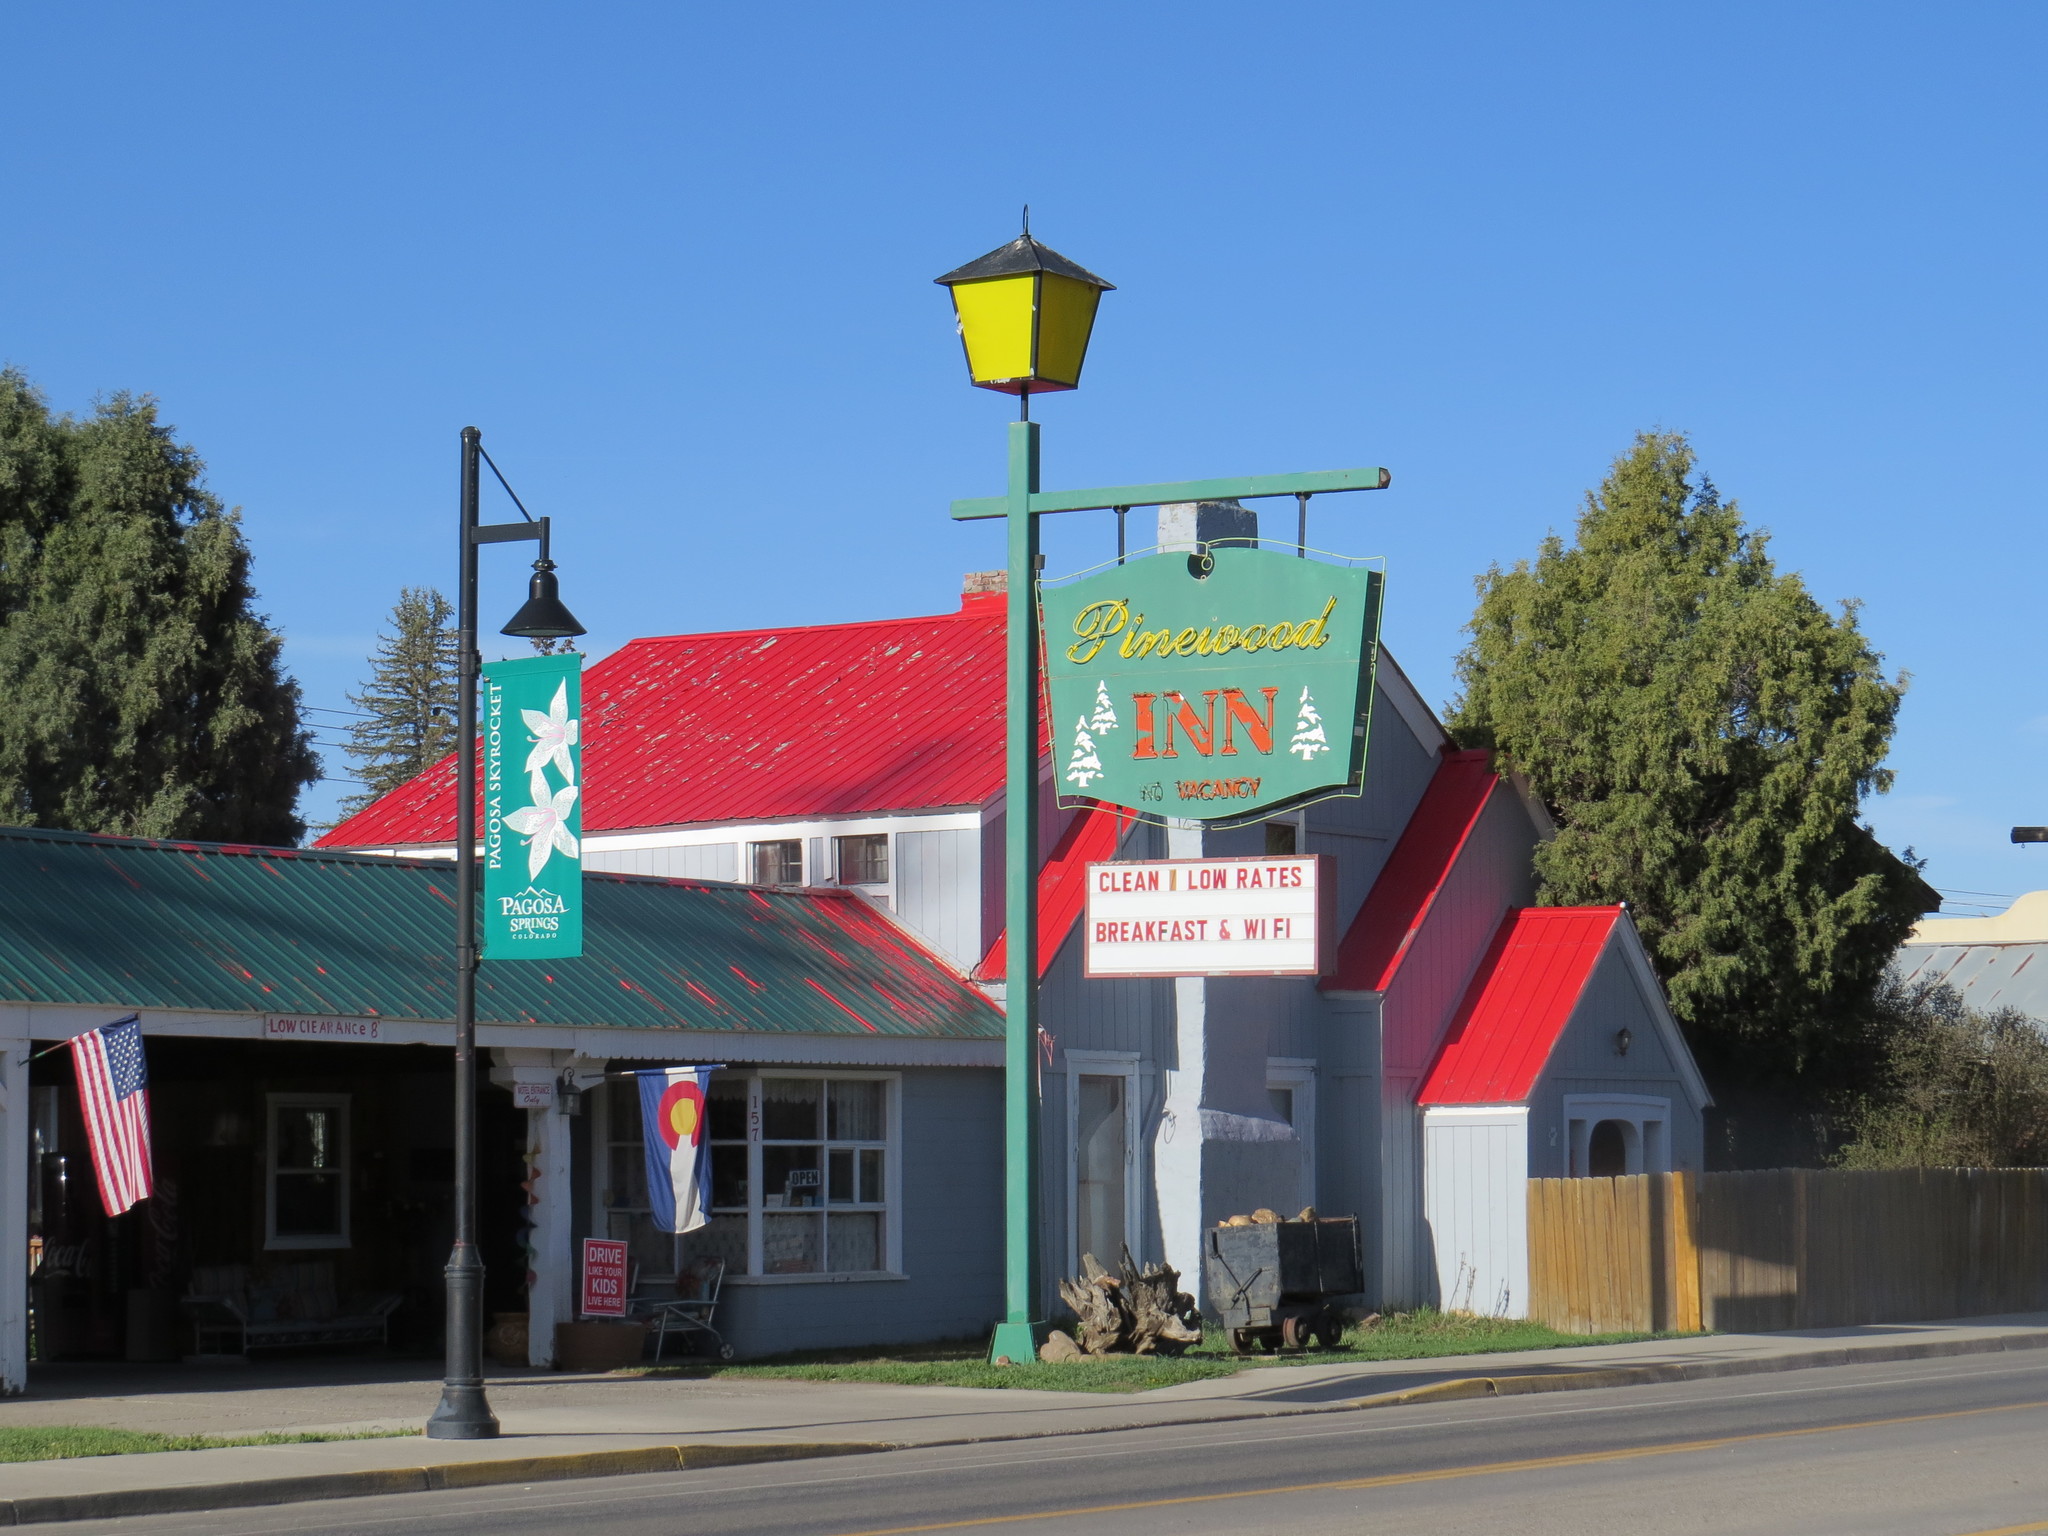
column 1953, row 1447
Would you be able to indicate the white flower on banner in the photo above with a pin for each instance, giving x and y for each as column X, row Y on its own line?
column 554, row 733
column 1104, row 718
column 545, row 824
column 1308, row 730
column 1084, row 767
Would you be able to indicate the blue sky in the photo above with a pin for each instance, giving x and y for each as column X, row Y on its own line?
column 675, row 262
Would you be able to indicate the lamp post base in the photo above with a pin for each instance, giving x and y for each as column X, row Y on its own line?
column 1017, row 1341
column 463, row 1414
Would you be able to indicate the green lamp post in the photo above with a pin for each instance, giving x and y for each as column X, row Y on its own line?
column 1025, row 315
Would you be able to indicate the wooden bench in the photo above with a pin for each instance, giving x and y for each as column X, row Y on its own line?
column 287, row 1306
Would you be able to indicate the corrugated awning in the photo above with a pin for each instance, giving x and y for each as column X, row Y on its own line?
column 133, row 923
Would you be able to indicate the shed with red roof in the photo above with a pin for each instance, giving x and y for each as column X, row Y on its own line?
column 1562, row 1060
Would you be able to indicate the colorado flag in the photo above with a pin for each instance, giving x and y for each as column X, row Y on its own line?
column 672, row 1111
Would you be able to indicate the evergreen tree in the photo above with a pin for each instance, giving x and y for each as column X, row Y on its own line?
column 410, row 700
column 1704, row 734
column 1103, row 720
column 1084, row 767
column 1309, row 736
column 140, row 693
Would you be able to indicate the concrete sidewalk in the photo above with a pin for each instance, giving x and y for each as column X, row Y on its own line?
column 567, row 1426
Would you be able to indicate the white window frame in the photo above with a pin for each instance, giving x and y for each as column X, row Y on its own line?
column 888, row 861
column 891, row 1210
column 1646, row 1144
column 1298, row 1075
column 272, row 1103
column 1123, row 1064
column 805, row 855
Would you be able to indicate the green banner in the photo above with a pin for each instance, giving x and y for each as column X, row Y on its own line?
column 533, row 808
column 1211, row 687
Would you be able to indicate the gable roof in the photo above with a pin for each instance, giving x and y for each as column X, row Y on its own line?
column 134, row 923
column 1091, row 836
column 1518, row 1004
column 765, row 725
column 1400, row 899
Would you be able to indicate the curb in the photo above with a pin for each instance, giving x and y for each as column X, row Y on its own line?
column 454, row 1474
column 1462, row 1387
column 680, row 1458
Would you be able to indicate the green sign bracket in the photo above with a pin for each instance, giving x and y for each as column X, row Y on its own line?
column 1318, row 482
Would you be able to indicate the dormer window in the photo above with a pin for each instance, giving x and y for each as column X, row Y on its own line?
column 778, row 863
column 864, row 860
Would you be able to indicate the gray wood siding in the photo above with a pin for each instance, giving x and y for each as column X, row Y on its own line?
column 1585, row 1061
column 938, row 879
column 705, row 861
column 952, row 1220
column 1407, row 1269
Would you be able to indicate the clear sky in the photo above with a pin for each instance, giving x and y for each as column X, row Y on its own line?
column 675, row 261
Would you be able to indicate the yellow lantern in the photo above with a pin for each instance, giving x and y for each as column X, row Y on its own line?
column 1025, row 312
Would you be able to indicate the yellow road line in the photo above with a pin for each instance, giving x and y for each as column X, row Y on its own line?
column 1482, row 1469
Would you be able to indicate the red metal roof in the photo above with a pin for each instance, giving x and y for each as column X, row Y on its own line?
column 766, row 725
column 1415, row 872
column 1063, row 885
column 1518, row 1004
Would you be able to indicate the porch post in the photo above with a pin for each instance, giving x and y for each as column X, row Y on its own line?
column 550, row 1275
column 14, row 1172
column 549, row 1297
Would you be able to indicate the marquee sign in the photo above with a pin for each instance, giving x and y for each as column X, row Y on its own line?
column 1273, row 916
column 533, row 812
column 1211, row 687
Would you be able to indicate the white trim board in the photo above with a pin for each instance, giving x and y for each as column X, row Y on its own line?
column 60, row 1021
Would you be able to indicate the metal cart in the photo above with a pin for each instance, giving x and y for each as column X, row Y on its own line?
column 1273, row 1282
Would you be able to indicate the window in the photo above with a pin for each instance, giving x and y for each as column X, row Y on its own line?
column 1281, row 837
column 1101, row 1167
column 800, row 1174
column 864, row 860
column 778, row 863
column 1291, row 1093
column 306, row 1196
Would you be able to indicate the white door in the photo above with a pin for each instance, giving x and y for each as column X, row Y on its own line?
column 1101, row 1159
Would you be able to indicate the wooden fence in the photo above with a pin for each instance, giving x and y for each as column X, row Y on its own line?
column 1789, row 1248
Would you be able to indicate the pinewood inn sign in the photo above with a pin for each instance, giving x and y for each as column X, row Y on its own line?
column 1213, row 686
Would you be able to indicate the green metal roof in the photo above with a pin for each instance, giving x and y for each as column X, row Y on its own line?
column 134, row 923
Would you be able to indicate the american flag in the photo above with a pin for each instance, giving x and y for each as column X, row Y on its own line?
column 113, row 1085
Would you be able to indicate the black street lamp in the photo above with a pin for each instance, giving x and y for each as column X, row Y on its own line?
column 463, row 1412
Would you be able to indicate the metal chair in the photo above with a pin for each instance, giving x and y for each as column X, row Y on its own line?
column 688, row 1315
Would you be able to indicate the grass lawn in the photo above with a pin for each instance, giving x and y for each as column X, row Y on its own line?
column 1404, row 1336
column 51, row 1442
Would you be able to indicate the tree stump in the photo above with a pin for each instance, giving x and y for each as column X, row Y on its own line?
column 1137, row 1312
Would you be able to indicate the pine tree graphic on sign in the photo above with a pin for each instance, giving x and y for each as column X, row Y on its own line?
column 1084, row 767
column 1104, row 718
column 1308, row 730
